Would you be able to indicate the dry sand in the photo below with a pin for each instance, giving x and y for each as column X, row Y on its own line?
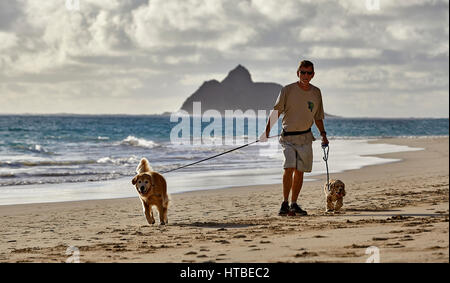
column 400, row 208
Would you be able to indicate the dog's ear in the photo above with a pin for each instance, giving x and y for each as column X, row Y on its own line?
column 343, row 186
column 134, row 180
column 152, row 179
column 332, row 185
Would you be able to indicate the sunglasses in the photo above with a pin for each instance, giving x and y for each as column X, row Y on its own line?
column 305, row 72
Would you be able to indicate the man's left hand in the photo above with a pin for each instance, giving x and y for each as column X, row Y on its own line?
column 325, row 140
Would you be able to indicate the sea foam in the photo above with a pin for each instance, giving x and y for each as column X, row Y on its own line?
column 134, row 141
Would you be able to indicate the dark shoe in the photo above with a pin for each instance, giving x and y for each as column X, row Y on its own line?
column 297, row 210
column 284, row 210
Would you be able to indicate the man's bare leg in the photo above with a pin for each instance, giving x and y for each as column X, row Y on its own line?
column 287, row 182
column 297, row 184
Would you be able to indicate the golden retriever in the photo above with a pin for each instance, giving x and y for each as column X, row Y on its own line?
column 334, row 197
column 152, row 189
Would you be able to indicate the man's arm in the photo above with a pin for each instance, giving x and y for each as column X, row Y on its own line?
column 320, row 126
column 273, row 118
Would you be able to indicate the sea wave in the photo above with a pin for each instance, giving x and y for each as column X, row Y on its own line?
column 134, row 141
column 58, row 178
column 57, row 174
column 38, row 149
column 17, row 129
column 18, row 164
column 35, row 148
column 119, row 161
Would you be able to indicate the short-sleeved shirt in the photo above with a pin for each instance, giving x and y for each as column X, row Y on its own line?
column 300, row 107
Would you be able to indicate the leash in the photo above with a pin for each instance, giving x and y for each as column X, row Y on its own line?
column 326, row 150
column 217, row 155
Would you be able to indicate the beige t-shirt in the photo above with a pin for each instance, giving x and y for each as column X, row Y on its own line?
column 300, row 107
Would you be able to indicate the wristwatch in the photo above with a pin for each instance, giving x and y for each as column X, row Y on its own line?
column 323, row 133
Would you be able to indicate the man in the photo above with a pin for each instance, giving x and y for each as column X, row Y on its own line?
column 301, row 104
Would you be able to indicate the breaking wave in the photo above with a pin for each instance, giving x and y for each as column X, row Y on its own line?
column 134, row 141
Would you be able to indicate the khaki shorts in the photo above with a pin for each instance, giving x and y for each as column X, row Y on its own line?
column 298, row 151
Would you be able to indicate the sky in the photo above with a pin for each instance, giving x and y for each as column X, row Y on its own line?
column 373, row 58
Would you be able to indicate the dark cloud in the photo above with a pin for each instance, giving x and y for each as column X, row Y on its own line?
column 10, row 12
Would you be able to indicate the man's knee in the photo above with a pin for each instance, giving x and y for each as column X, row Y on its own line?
column 289, row 170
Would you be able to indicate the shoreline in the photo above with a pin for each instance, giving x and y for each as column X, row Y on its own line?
column 364, row 155
column 315, row 178
column 399, row 207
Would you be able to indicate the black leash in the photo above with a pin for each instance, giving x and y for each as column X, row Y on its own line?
column 325, row 158
column 217, row 155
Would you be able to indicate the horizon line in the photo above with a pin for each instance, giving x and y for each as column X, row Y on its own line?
column 168, row 113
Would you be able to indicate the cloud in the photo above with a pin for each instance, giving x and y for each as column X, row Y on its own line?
column 203, row 24
column 281, row 11
column 160, row 51
column 8, row 40
column 9, row 14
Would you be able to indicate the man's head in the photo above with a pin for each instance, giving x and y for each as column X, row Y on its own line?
column 305, row 71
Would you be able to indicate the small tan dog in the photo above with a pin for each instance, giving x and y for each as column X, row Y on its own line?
column 335, row 195
column 152, row 189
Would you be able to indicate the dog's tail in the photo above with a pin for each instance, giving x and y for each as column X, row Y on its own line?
column 144, row 166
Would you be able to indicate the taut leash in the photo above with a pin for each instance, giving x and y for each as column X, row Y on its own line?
column 217, row 155
column 326, row 150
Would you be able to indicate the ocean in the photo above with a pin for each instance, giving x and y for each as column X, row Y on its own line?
column 51, row 158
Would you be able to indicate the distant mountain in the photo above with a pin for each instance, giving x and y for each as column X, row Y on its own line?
column 236, row 91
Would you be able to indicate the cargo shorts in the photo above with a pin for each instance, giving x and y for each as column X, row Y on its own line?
column 298, row 151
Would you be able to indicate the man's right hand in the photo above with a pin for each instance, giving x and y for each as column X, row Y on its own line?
column 273, row 118
column 263, row 137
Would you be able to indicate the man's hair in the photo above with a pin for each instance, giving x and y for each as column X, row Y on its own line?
column 305, row 64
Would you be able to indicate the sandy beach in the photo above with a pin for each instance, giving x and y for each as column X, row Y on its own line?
column 396, row 212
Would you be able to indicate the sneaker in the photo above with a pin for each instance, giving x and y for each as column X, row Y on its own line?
column 297, row 210
column 284, row 210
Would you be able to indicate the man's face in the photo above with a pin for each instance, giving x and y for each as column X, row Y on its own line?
column 305, row 74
